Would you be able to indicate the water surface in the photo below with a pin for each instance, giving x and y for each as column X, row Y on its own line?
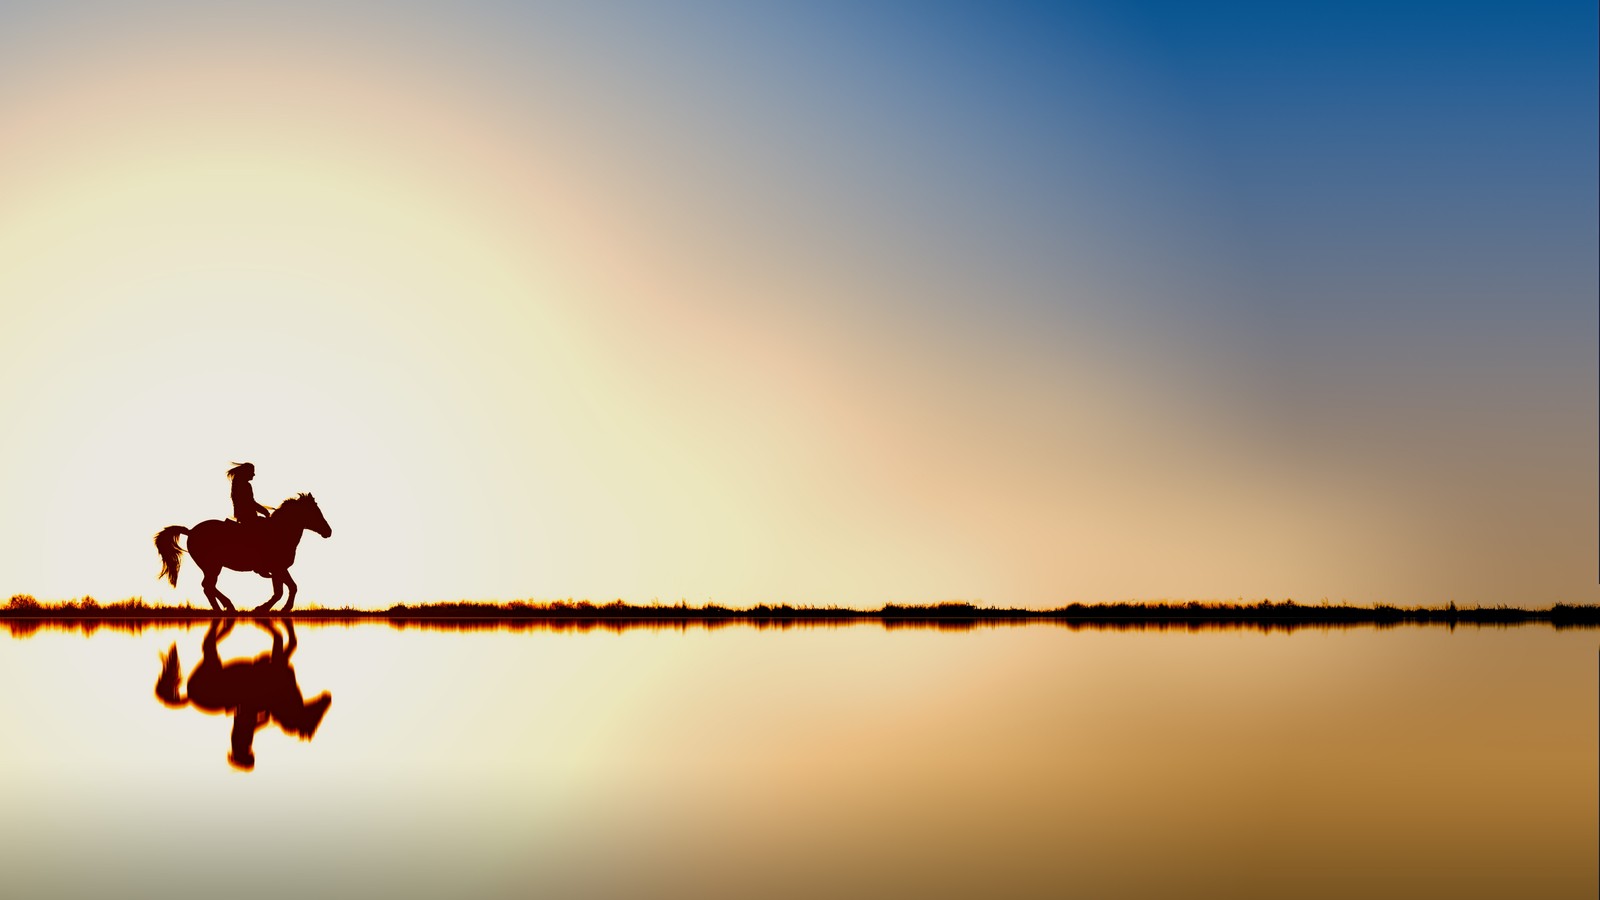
column 1028, row 760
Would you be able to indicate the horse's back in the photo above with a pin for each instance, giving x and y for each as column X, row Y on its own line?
column 214, row 541
column 211, row 533
column 208, row 527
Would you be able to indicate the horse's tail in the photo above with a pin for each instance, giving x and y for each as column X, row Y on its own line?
column 168, row 684
column 167, row 546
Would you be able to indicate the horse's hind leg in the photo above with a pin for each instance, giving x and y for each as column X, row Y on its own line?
column 209, row 584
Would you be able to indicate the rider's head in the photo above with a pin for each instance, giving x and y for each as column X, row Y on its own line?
column 245, row 471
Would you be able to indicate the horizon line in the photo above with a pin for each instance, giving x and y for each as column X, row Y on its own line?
column 24, row 606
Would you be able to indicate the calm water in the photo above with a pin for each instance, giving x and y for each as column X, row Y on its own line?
column 855, row 761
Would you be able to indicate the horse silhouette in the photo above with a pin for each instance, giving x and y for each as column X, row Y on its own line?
column 267, row 549
column 256, row 691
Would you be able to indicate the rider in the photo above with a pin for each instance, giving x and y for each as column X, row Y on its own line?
column 246, row 511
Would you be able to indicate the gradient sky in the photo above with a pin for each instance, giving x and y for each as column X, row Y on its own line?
column 839, row 303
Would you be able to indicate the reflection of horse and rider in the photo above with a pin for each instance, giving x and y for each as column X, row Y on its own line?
column 257, row 539
column 256, row 691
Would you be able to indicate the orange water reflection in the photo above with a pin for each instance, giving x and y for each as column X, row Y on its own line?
column 680, row 760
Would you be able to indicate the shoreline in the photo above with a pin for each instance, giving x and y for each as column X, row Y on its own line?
column 88, row 613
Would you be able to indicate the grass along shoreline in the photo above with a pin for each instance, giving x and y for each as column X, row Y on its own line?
column 25, row 607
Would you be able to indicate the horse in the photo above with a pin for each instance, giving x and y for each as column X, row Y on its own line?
column 266, row 548
column 256, row 691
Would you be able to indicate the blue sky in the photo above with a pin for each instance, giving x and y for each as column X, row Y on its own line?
column 836, row 302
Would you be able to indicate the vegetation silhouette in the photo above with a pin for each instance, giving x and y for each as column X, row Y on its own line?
column 267, row 549
column 23, row 615
column 254, row 691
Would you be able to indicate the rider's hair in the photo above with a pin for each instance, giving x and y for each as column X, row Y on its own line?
column 248, row 470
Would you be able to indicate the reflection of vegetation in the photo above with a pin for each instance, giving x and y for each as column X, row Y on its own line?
column 24, row 615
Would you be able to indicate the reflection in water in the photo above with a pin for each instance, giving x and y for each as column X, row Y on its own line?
column 24, row 628
column 1123, row 760
column 255, row 691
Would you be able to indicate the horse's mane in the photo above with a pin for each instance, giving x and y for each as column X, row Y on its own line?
column 296, row 499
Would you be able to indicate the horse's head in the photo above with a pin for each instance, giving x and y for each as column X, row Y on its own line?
column 305, row 513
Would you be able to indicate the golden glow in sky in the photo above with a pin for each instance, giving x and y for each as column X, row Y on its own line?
column 516, row 351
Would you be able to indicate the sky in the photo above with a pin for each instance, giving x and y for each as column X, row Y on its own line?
column 809, row 303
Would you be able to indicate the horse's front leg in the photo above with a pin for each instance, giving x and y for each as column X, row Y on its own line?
column 293, row 589
column 277, row 590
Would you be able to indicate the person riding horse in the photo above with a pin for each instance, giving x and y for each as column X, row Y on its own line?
column 246, row 511
column 253, row 542
column 245, row 508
